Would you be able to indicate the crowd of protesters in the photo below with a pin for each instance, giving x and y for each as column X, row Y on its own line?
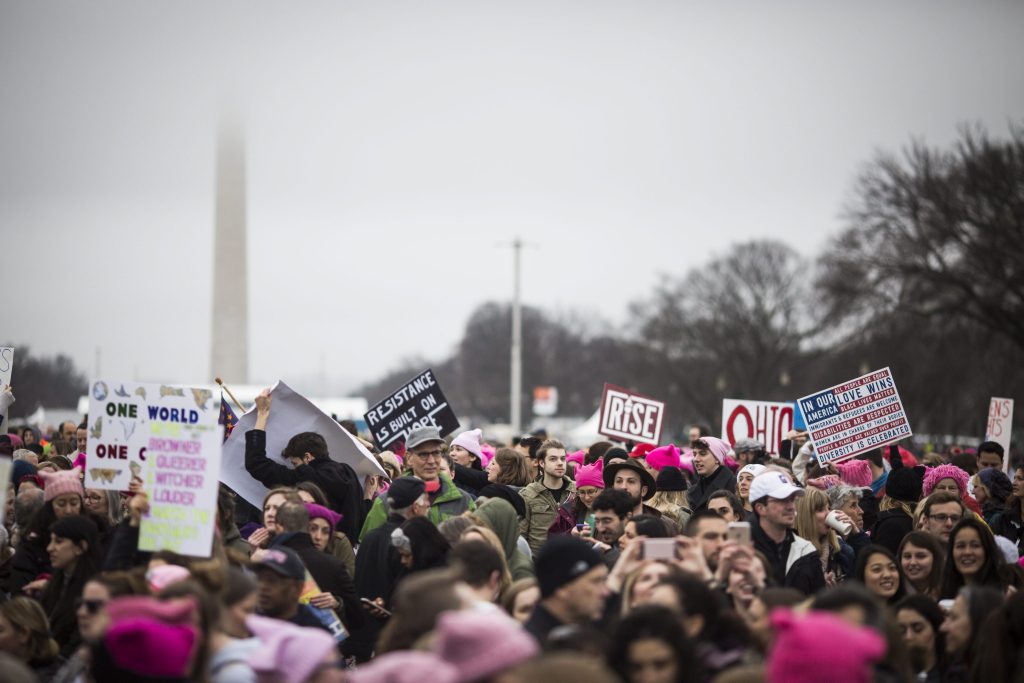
column 531, row 562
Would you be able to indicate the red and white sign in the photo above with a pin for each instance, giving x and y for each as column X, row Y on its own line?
column 545, row 401
column 854, row 417
column 764, row 421
column 1000, row 421
column 626, row 416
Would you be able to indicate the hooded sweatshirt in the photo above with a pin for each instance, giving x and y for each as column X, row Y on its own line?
column 501, row 518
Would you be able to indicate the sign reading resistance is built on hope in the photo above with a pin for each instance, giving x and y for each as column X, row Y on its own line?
column 417, row 403
column 854, row 417
column 626, row 416
column 169, row 438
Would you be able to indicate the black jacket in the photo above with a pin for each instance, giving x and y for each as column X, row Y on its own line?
column 891, row 527
column 329, row 573
column 700, row 491
column 337, row 480
column 541, row 623
column 795, row 562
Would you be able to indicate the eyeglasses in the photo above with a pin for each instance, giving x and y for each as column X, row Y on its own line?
column 427, row 455
column 91, row 606
column 942, row 518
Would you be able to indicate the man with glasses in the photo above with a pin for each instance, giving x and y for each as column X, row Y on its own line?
column 941, row 512
column 424, row 450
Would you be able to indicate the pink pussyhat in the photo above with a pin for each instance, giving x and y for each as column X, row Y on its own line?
column 291, row 652
column 481, row 645
column 590, row 475
column 406, row 666
column 855, row 472
column 487, row 452
column 718, row 448
column 664, row 456
column 797, row 655
column 577, row 457
column 59, row 483
column 147, row 647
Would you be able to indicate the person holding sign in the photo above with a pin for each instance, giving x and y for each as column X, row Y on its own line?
column 307, row 452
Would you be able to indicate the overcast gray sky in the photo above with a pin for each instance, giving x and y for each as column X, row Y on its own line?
column 394, row 145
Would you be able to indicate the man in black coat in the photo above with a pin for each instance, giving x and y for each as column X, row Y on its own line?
column 307, row 452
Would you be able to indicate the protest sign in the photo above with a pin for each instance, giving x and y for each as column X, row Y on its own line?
column 290, row 414
column 764, row 421
column 6, row 367
column 855, row 416
column 627, row 416
column 168, row 438
column 418, row 402
column 1000, row 421
column 545, row 401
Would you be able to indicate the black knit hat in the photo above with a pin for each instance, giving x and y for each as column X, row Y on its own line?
column 671, row 479
column 561, row 560
column 905, row 483
column 404, row 491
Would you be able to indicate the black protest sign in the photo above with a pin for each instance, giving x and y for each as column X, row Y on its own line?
column 417, row 403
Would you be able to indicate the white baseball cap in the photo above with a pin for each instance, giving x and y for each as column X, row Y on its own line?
column 752, row 470
column 774, row 485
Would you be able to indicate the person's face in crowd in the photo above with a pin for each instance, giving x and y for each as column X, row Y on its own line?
column 781, row 513
column 629, row 481
column 81, row 438
column 743, row 485
column 711, row 534
column 851, row 506
column 703, row 461
column 722, row 507
column 276, row 596
column 968, row 553
column 67, row 504
column 587, row 494
column 1018, row 482
column 742, row 587
column 586, row 594
column 95, row 597
column 9, row 506
column 757, row 621
column 652, row 660
column 957, row 626
column 645, row 582
column 95, row 501
column 948, row 485
column 28, row 437
column 270, row 509
column 628, row 534
column 694, row 434
column 917, row 631
column 64, row 552
column 980, row 491
column 405, row 556
column 881, row 576
column 12, row 640
column 819, row 521
column 461, row 456
column 493, row 470
column 319, row 532
column 444, row 467
column 67, row 431
column 233, row 617
column 425, row 460
column 554, row 463
column 989, row 459
column 942, row 518
column 916, row 562
column 522, row 606
column 608, row 526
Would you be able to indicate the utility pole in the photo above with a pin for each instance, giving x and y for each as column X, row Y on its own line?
column 516, row 384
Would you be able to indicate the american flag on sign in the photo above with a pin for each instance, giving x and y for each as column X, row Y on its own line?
column 227, row 417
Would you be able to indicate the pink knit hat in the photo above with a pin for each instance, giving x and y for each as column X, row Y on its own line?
column 163, row 575
column 824, row 483
column 590, row 475
column 64, row 481
column 578, row 457
column 292, row 652
column 855, row 472
column 487, row 452
column 718, row 448
column 798, row 656
column 151, row 648
column 406, row 666
column 936, row 474
column 664, row 456
column 482, row 644
column 470, row 440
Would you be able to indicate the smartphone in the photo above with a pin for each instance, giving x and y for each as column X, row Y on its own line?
column 659, row 548
column 374, row 606
column 739, row 532
column 946, row 605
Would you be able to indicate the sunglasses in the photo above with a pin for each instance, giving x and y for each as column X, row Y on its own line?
column 91, row 606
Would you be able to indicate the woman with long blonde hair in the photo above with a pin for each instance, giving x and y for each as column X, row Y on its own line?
column 837, row 558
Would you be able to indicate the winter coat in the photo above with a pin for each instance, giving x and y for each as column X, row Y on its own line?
column 700, row 491
column 329, row 573
column 501, row 518
column 541, row 512
column 891, row 527
column 449, row 502
column 795, row 562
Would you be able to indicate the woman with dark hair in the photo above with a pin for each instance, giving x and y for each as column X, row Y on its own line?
column 973, row 604
column 509, row 467
column 1001, row 644
column 921, row 557
column 337, row 543
column 920, row 618
column 878, row 570
column 25, row 635
column 647, row 526
column 1010, row 522
column 650, row 646
column 420, row 545
column 972, row 558
column 75, row 557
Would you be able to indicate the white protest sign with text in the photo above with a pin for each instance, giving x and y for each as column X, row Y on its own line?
column 764, row 421
column 6, row 367
column 290, row 414
column 628, row 416
column 854, row 417
column 1000, row 422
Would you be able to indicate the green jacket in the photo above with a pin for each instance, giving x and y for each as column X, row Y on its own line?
column 541, row 512
column 449, row 502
